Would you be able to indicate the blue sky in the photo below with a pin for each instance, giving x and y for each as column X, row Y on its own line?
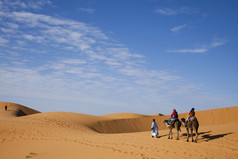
column 101, row 57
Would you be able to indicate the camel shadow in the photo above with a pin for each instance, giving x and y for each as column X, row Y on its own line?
column 206, row 136
column 185, row 134
column 200, row 133
column 209, row 137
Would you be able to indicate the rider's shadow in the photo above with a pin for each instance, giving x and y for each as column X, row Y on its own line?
column 209, row 137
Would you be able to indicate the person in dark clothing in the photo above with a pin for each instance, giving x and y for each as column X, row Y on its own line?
column 190, row 115
column 5, row 108
column 174, row 116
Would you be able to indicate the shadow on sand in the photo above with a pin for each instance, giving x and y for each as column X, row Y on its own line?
column 200, row 133
column 160, row 136
column 185, row 134
column 18, row 113
column 204, row 136
column 209, row 137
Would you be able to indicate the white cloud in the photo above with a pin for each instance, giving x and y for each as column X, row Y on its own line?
column 123, row 53
column 12, row 25
column 74, row 61
column 87, row 10
column 7, row 5
column 176, row 11
column 76, row 34
column 217, row 42
column 204, row 48
column 5, row 30
column 31, row 37
column 3, row 41
column 166, row 11
column 199, row 50
column 178, row 28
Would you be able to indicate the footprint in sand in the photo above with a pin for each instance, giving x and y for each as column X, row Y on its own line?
column 31, row 154
column 3, row 140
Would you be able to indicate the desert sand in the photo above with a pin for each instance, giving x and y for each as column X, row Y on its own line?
column 27, row 133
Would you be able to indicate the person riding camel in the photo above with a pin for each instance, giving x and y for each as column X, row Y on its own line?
column 174, row 116
column 191, row 114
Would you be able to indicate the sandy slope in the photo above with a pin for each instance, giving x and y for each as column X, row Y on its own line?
column 124, row 115
column 15, row 110
column 64, row 135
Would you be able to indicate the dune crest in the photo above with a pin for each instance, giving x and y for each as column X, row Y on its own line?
column 15, row 110
column 124, row 115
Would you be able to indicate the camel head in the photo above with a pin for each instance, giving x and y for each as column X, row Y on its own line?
column 165, row 122
column 183, row 120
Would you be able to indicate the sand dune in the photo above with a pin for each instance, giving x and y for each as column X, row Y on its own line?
column 65, row 135
column 124, row 115
column 125, row 125
column 15, row 110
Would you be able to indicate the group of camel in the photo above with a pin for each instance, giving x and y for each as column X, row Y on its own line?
column 192, row 124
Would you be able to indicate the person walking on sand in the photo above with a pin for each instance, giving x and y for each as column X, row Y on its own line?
column 154, row 129
column 5, row 108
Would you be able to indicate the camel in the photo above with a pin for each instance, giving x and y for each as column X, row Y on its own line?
column 192, row 123
column 176, row 125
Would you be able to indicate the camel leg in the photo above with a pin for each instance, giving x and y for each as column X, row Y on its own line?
column 196, row 135
column 169, row 133
column 192, row 135
column 177, row 128
column 187, row 134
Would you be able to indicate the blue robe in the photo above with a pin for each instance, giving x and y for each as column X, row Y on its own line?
column 154, row 131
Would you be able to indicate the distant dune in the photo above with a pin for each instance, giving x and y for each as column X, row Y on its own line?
column 124, row 115
column 15, row 110
column 142, row 122
column 27, row 133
